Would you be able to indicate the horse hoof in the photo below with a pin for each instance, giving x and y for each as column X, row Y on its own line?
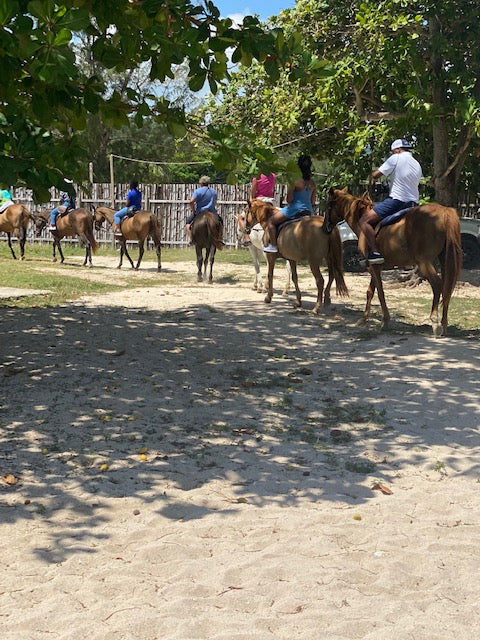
column 267, row 299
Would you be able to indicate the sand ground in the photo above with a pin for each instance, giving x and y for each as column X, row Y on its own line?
column 185, row 462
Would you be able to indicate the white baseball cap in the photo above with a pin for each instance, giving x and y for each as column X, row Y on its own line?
column 401, row 143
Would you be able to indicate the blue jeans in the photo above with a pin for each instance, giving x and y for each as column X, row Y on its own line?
column 53, row 216
column 123, row 213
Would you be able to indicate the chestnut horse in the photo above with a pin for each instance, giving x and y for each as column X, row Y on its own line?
column 77, row 222
column 139, row 227
column 426, row 234
column 207, row 232
column 303, row 239
column 255, row 246
column 15, row 219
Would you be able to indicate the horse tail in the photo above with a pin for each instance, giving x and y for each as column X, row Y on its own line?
column 216, row 231
column 27, row 216
column 155, row 231
column 335, row 262
column 91, row 238
column 452, row 254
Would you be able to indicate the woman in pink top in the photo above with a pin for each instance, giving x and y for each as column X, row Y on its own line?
column 263, row 188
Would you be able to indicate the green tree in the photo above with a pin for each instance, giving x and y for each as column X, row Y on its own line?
column 46, row 97
column 398, row 68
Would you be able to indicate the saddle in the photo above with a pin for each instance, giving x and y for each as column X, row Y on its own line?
column 302, row 214
column 394, row 217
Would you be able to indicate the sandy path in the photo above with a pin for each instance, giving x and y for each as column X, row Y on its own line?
column 189, row 463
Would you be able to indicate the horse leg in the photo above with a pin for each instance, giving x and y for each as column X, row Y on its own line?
column 370, row 294
column 326, row 294
column 271, row 258
column 257, row 282
column 376, row 281
column 288, row 279
column 293, row 267
column 56, row 244
column 124, row 250
column 212, row 260
column 9, row 236
column 199, row 264
column 158, row 249
column 141, row 251
column 428, row 271
column 22, row 238
column 317, row 274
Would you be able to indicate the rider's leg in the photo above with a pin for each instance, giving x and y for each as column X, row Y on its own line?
column 366, row 223
column 273, row 221
column 53, row 218
column 117, row 219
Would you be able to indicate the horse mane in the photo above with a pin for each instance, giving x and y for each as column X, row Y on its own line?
column 261, row 210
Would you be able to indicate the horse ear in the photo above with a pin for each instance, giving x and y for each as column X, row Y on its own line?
column 344, row 190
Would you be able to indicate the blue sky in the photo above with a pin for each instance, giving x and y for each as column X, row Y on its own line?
column 264, row 8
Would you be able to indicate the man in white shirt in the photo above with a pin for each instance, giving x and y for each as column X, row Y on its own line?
column 405, row 173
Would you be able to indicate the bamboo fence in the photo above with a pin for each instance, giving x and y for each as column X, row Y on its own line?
column 170, row 203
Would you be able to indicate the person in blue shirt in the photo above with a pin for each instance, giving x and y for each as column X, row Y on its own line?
column 300, row 198
column 203, row 199
column 67, row 202
column 133, row 203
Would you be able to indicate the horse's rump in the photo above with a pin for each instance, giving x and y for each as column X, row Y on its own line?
column 207, row 229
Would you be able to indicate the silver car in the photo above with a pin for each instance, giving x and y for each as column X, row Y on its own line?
column 469, row 229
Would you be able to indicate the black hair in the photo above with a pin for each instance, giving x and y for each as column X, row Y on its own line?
column 305, row 166
column 133, row 184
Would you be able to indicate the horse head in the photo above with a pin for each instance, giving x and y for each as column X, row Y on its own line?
column 40, row 222
column 98, row 218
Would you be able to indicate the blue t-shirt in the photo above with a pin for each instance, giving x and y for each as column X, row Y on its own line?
column 134, row 198
column 5, row 195
column 205, row 198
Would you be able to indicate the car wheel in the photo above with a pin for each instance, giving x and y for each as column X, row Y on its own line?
column 471, row 252
column 352, row 257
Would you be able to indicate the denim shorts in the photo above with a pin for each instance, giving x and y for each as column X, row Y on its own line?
column 389, row 206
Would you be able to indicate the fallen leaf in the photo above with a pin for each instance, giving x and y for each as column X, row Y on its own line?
column 383, row 489
column 243, row 432
column 10, row 479
column 242, row 500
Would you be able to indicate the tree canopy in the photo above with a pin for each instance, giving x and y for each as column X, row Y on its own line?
column 395, row 68
column 47, row 95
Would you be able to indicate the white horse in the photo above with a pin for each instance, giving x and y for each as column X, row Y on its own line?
column 254, row 241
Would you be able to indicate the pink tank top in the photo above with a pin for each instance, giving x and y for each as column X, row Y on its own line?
column 265, row 185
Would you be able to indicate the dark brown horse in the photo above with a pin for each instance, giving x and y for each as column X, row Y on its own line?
column 427, row 234
column 303, row 239
column 77, row 222
column 139, row 227
column 207, row 233
column 15, row 219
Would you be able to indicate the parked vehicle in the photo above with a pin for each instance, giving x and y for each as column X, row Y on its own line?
column 469, row 229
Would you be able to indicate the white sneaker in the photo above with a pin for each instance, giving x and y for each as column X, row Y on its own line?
column 270, row 248
column 52, row 228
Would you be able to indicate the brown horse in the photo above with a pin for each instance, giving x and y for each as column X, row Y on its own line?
column 139, row 227
column 303, row 239
column 15, row 219
column 77, row 222
column 207, row 233
column 426, row 234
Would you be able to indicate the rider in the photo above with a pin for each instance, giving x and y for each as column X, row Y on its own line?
column 263, row 188
column 5, row 199
column 67, row 202
column 300, row 197
column 406, row 173
column 133, row 203
column 203, row 199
